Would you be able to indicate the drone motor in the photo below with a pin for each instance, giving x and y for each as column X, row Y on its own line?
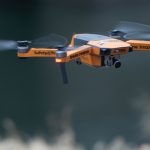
column 23, row 46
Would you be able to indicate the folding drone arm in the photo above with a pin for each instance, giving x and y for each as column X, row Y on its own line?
column 37, row 52
column 66, row 56
column 138, row 45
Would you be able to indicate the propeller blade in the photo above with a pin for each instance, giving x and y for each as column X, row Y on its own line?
column 51, row 40
column 63, row 72
column 130, row 27
column 138, row 36
column 6, row 45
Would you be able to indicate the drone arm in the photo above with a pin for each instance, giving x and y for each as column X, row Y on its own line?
column 138, row 45
column 75, row 54
column 38, row 52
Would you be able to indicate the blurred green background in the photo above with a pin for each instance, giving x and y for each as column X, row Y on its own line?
column 100, row 104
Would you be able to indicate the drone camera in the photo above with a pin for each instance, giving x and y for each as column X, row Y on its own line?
column 116, row 63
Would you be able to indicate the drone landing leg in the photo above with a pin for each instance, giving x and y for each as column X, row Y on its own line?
column 63, row 72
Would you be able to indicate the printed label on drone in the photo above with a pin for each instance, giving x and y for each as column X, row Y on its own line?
column 141, row 47
column 76, row 55
column 144, row 47
column 44, row 52
column 135, row 47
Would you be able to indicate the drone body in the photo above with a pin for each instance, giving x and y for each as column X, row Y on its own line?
column 91, row 49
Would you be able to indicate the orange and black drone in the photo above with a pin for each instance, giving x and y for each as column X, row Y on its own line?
column 91, row 49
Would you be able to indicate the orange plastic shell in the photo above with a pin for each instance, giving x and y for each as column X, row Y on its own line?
column 39, row 52
column 139, row 45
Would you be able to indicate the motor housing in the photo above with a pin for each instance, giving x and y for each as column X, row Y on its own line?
column 23, row 46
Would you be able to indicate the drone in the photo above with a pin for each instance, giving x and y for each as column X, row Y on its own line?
column 92, row 49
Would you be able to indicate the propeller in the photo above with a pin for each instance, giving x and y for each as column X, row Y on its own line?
column 131, row 31
column 130, row 27
column 49, row 41
column 6, row 45
column 138, row 36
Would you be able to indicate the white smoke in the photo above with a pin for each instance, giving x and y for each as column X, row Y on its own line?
column 67, row 140
column 142, row 104
column 119, row 144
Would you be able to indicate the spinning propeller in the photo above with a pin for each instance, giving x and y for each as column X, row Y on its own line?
column 49, row 41
column 6, row 45
column 133, row 31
